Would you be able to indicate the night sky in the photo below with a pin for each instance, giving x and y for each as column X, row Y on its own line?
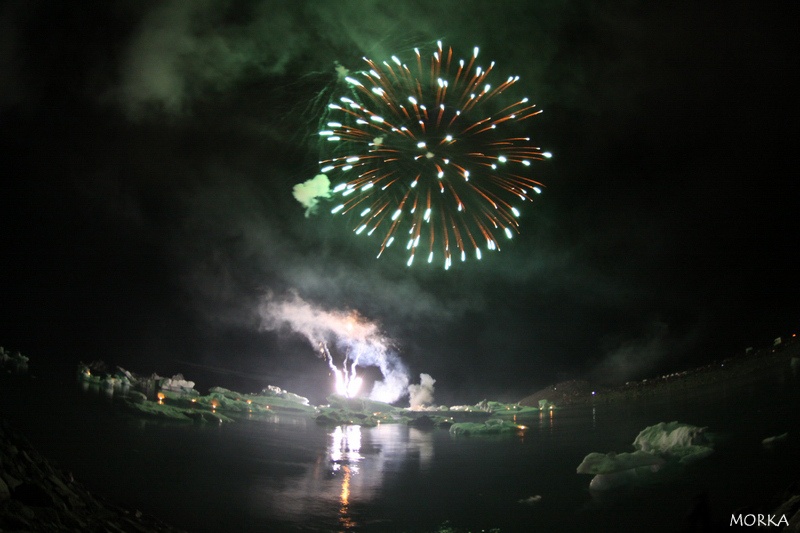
column 150, row 150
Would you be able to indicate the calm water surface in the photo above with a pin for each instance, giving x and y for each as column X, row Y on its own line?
column 289, row 474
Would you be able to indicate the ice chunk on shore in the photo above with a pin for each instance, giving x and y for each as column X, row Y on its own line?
column 177, row 383
column 278, row 392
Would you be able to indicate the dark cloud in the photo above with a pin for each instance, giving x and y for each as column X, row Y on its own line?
column 179, row 52
column 640, row 356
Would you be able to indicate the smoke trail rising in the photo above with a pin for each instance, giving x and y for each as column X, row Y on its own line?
column 421, row 395
column 360, row 342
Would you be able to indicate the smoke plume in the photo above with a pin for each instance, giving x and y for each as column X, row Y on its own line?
column 422, row 394
column 361, row 341
column 309, row 192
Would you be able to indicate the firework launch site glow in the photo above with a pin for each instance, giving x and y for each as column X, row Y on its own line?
column 360, row 342
column 347, row 382
column 422, row 153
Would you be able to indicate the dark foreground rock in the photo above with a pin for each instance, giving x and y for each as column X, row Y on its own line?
column 36, row 496
column 783, row 509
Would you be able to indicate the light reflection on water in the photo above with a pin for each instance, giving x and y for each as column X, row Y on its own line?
column 349, row 475
column 344, row 455
column 282, row 472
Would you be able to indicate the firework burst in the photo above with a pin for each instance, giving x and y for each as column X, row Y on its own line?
column 419, row 152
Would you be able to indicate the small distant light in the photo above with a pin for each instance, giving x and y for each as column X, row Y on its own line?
column 592, row 393
column 548, row 155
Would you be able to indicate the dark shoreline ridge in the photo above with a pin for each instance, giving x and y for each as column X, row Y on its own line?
column 730, row 372
column 35, row 495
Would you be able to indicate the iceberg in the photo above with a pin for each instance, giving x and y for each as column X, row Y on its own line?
column 613, row 470
column 770, row 441
column 611, row 463
column 683, row 442
column 12, row 359
column 177, row 383
column 493, row 426
column 664, row 444
column 278, row 392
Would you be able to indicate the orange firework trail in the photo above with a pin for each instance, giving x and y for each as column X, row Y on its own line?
column 417, row 151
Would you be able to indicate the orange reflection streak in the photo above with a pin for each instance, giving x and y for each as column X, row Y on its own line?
column 344, row 498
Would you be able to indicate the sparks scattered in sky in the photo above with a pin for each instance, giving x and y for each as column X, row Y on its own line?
column 420, row 154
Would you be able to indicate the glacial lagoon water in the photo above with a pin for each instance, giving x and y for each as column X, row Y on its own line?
column 285, row 473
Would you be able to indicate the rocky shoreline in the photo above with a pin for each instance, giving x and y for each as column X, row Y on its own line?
column 36, row 495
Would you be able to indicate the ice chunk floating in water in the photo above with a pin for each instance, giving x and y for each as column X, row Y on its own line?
column 683, row 442
column 656, row 446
